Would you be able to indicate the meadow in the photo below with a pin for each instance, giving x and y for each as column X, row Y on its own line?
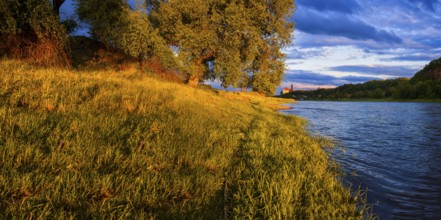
column 126, row 144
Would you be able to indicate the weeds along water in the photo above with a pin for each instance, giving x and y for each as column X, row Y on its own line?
column 109, row 144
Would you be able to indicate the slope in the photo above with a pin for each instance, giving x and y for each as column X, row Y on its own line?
column 109, row 144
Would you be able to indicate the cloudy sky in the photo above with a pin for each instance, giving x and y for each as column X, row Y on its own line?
column 352, row 41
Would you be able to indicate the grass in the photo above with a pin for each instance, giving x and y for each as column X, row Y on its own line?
column 109, row 144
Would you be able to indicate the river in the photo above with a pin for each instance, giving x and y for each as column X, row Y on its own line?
column 391, row 149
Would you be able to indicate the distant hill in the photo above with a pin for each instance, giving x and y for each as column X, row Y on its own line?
column 425, row 85
column 431, row 71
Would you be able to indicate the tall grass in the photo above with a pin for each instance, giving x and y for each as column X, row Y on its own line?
column 109, row 144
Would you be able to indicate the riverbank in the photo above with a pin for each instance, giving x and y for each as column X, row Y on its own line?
column 374, row 100
column 124, row 144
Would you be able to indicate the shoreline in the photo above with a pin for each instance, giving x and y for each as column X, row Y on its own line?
column 376, row 100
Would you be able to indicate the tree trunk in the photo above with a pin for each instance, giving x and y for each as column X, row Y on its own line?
column 193, row 81
column 56, row 6
column 194, row 78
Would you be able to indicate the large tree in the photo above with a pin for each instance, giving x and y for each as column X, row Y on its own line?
column 238, row 41
column 117, row 25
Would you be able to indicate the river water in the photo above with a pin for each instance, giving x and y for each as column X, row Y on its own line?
column 391, row 149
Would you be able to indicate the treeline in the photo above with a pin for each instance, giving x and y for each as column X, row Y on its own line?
column 238, row 43
column 426, row 84
column 388, row 89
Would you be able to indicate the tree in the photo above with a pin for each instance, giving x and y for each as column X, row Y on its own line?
column 30, row 29
column 115, row 24
column 28, row 16
column 377, row 94
column 238, row 42
column 428, row 72
column 56, row 4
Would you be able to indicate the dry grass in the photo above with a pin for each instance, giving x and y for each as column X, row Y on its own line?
column 115, row 144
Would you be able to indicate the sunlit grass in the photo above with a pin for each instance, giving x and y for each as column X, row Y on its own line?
column 109, row 144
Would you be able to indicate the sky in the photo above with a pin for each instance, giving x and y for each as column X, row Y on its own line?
column 337, row 42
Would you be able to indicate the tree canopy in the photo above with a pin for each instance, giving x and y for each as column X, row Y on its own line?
column 431, row 71
column 114, row 23
column 237, row 42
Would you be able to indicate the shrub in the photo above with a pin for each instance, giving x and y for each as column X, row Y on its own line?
column 30, row 30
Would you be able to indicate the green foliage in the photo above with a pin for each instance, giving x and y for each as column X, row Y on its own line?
column 115, row 24
column 103, row 144
column 402, row 89
column 232, row 41
column 31, row 29
column 28, row 17
column 425, row 73
column 264, row 82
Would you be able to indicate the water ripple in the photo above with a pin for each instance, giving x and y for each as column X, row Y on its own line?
column 392, row 149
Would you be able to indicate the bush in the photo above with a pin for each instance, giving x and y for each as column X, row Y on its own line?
column 115, row 24
column 30, row 30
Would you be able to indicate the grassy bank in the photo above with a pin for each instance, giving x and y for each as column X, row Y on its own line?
column 106, row 144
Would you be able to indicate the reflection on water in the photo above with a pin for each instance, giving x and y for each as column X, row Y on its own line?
column 394, row 149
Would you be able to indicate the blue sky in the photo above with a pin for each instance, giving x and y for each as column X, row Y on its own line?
column 352, row 41
column 336, row 42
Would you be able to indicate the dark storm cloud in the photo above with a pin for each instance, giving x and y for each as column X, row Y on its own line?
column 307, row 77
column 397, row 71
column 337, row 24
column 344, row 6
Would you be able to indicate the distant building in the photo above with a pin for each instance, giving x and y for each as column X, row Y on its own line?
column 287, row 90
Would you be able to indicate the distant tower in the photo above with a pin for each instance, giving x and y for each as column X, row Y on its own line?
column 292, row 88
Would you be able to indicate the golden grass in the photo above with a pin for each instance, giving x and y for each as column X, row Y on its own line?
column 115, row 144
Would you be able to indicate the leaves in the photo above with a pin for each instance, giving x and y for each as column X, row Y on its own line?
column 226, row 40
column 29, row 29
column 246, row 38
column 114, row 23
